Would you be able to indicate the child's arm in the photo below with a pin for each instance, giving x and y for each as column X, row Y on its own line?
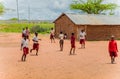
column 109, row 46
column 40, row 39
column 21, row 46
column 116, row 46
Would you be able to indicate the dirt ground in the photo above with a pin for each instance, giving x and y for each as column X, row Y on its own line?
column 93, row 62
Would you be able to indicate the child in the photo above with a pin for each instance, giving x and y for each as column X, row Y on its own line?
column 112, row 49
column 35, row 44
column 61, row 42
column 82, row 38
column 65, row 36
column 52, row 37
column 23, row 33
column 27, row 33
column 24, row 47
column 72, row 44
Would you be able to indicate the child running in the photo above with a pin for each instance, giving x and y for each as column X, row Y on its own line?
column 52, row 37
column 112, row 48
column 35, row 44
column 72, row 44
column 61, row 42
column 24, row 47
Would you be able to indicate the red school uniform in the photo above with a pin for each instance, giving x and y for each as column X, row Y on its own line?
column 25, row 46
column 35, row 44
column 113, row 48
column 72, row 41
column 25, row 50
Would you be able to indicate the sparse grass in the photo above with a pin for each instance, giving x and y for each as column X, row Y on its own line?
column 17, row 27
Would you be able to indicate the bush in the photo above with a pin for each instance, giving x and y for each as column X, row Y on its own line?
column 39, row 29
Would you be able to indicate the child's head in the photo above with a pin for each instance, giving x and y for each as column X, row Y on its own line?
column 36, row 34
column 61, row 32
column 72, row 34
column 51, row 28
column 25, row 37
column 23, row 28
column 82, row 30
column 26, row 27
column 112, row 37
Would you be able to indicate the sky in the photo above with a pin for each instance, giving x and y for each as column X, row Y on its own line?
column 41, row 9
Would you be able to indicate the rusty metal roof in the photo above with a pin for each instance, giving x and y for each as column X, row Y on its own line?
column 92, row 19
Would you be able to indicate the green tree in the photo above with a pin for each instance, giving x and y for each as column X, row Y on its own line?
column 92, row 6
column 2, row 9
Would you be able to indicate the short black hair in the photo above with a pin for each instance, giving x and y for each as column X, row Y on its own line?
column 72, row 34
column 36, row 33
column 61, row 32
column 51, row 28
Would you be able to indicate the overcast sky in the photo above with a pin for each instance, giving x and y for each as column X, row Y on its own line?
column 41, row 9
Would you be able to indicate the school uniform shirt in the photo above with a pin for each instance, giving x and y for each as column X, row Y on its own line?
column 61, row 36
column 35, row 39
column 23, row 32
column 27, row 32
column 72, row 40
column 113, row 46
column 25, row 43
column 52, row 32
column 82, row 35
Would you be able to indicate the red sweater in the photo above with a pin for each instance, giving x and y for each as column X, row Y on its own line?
column 72, row 40
column 112, row 46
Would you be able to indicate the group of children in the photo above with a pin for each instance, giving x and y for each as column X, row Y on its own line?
column 25, row 43
column 112, row 47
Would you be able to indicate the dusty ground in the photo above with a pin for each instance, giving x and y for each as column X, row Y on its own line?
column 90, row 63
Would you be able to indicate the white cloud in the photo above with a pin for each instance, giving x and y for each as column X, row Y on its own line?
column 41, row 9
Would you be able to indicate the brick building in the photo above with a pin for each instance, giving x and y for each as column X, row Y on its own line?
column 97, row 27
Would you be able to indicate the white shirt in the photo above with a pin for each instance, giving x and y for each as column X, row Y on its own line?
column 82, row 35
column 25, row 43
column 61, row 36
column 35, row 39
column 24, row 31
column 52, row 32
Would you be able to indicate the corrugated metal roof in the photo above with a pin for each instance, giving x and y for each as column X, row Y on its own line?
column 92, row 19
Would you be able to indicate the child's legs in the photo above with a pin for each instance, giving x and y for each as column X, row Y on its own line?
column 36, row 51
column 112, row 59
column 71, row 50
column 24, row 57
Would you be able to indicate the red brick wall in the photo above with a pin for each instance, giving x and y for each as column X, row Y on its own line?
column 94, row 32
column 65, row 25
column 102, row 32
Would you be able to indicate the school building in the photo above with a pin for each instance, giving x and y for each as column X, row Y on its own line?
column 97, row 27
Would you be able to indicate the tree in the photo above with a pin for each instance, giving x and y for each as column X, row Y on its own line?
column 2, row 9
column 92, row 6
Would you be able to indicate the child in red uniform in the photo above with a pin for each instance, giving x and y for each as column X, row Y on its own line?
column 35, row 44
column 23, row 33
column 52, row 35
column 24, row 47
column 112, row 49
column 72, row 44
column 27, row 32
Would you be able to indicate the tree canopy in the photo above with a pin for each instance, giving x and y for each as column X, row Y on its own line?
column 92, row 6
column 2, row 9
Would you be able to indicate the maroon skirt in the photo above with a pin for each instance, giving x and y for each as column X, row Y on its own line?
column 51, row 36
column 35, row 46
column 82, row 41
column 113, row 54
column 25, row 50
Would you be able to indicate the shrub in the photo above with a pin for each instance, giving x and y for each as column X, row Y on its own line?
column 39, row 29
